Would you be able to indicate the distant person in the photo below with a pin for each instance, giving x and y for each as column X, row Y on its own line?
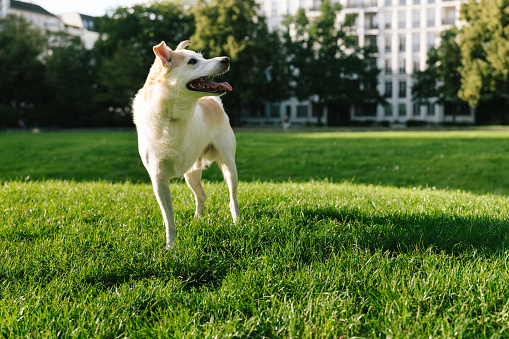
column 21, row 124
column 286, row 121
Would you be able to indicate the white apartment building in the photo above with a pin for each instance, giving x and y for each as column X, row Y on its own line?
column 81, row 25
column 75, row 24
column 37, row 15
column 403, row 31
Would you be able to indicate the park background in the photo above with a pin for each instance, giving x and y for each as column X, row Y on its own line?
column 54, row 79
column 343, row 232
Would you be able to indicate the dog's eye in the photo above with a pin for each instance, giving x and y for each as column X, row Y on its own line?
column 192, row 62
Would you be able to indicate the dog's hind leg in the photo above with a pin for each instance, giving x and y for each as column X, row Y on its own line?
column 229, row 170
column 193, row 178
column 163, row 196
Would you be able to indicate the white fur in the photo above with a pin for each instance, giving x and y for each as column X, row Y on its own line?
column 179, row 133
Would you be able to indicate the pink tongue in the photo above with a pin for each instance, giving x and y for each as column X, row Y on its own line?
column 215, row 85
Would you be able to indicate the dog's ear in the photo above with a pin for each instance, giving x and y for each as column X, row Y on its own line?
column 163, row 52
column 183, row 45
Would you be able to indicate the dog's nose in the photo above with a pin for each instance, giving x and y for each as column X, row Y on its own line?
column 225, row 60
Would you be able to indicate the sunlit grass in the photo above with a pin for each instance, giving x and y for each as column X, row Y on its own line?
column 369, row 253
column 470, row 160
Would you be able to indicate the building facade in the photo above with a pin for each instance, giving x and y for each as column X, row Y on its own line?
column 35, row 14
column 403, row 31
column 83, row 26
column 75, row 24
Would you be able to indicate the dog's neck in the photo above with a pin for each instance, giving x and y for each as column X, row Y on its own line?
column 179, row 108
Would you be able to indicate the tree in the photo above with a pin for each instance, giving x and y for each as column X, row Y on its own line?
column 70, row 79
column 425, row 85
column 484, row 46
column 441, row 80
column 125, row 50
column 258, row 70
column 21, row 71
column 326, row 63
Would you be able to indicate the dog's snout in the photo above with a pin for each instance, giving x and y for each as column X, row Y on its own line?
column 225, row 60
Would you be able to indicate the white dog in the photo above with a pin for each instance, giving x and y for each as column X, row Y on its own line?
column 182, row 126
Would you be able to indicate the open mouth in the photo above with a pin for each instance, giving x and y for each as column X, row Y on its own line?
column 202, row 85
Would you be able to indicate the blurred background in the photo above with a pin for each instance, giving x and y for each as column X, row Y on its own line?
column 75, row 64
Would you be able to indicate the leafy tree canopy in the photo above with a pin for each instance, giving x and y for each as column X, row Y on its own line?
column 70, row 80
column 21, row 70
column 125, row 51
column 441, row 80
column 234, row 29
column 484, row 49
column 325, row 60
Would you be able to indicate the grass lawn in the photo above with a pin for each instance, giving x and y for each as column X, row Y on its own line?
column 366, row 234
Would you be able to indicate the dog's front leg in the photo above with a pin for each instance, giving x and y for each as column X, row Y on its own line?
column 163, row 196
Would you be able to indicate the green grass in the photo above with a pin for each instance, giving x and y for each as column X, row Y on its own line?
column 366, row 253
column 472, row 160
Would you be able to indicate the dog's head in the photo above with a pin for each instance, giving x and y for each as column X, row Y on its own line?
column 189, row 72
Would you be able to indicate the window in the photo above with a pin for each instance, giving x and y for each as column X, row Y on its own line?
column 402, row 89
column 370, row 21
column 388, row 66
column 274, row 8
column 302, row 111
column 417, row 65
column 416, row 110
column 402, row 43
column 416, row 19
column 431, row 109
column 388, row 20
column 448, row 15
column 417, row 2
column 370, row 40
column 388, row 110
column 402, row 109
column 274, row 110
column 388, row 89
column 431, row 18
column 354, row 41
column 401, row 19
column 416, row 42
column 431, row 40
column 388, row 43
column 402, row 2
column 388, row 2
column 402, row 66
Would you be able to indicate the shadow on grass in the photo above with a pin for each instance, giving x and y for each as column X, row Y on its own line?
column 443, row 160
column 401, row 233
column 317, row 235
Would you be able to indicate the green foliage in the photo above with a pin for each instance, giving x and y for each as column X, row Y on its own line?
column 71, row 87
column 142, row 26
column 426, row 86
column 467, row 160
column 21, row 72
column 325, row 61
column 441, row 80
column 258, row 71
column 125, row 53
column 484, row 44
